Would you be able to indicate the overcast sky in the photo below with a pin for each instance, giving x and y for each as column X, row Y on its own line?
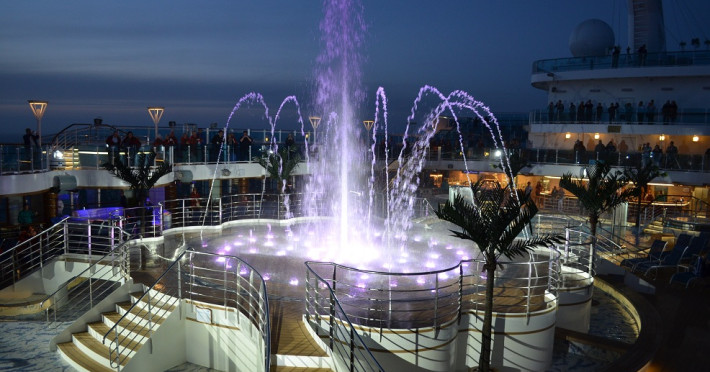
column 113, row 59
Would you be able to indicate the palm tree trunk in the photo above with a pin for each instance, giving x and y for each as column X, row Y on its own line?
column 484, row 361
column 638, row 213
column 593, row 219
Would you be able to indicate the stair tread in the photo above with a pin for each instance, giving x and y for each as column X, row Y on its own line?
column 73, row 352
column 102, row 329
column 143, row 313
column 95, row 345
column 297, row 369
column 126, row 323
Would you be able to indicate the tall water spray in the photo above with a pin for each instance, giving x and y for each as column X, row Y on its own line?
column 339, row 176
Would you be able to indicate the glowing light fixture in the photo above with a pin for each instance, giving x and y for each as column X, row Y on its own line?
column 38, row 109
column 696, row 138
column 368, row 124
column 596, row 135
column 662, row 137
column 568, row 135
column 156, row 113
column 315, row 121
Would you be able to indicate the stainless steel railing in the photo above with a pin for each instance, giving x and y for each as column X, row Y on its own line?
column 30, row 255
column 430, row 299
column 103, row 275
column 322, row 304
column 225, row 281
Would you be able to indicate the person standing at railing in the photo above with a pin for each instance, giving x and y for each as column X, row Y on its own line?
column 651, row 112
column 131, row 143
column 217, row 142
column 113, row 142
column 232, row 145
column 195, row 147
column 640, row 112
column 184, row 146
column 244, row 146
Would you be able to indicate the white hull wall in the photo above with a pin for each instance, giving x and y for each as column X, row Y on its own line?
column 221, row 340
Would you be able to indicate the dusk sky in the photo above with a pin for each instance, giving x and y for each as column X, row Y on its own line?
column 113, row 59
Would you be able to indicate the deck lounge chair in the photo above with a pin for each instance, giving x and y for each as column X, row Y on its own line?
column 696, row 271
column 655, row 253
column 671, row 260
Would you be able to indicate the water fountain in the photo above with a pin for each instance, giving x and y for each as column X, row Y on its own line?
column 339, row 223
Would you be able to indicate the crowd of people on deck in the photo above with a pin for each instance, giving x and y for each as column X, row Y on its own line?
column 587, row 112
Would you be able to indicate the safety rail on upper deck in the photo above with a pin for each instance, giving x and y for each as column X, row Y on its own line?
column 224, row 281
column 18, row 159
column 623, row 60
column 430, row 299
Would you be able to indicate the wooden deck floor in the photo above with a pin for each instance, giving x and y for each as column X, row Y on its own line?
column 289, row 335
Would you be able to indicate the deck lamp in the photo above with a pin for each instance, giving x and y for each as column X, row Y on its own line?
column 38, row 108
column 156, row 113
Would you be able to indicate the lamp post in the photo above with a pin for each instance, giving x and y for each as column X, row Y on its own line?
column 38, row 109
column 315, row 121
column 368, row 124
column 156, row 113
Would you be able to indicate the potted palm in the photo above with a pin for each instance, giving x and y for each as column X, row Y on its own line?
column 493, row 221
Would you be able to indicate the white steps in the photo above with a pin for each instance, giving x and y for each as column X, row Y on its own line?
column 88, row 351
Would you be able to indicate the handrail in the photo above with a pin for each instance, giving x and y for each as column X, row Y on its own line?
column 97, row 271
column 25, row 257
column 588, row 246
column 163, row 294
column 358, row 350
column 402, row 296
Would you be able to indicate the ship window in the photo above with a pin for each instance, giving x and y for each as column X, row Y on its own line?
column 595, row 90
column 627, row 89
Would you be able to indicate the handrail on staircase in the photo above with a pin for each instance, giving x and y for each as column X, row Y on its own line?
column 97, row 270
column 196, row 282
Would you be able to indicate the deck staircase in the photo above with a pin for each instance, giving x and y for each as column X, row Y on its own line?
column 294, row 348
column 655, row 227
column 89, row 352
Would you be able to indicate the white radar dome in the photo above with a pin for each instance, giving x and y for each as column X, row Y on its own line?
column 592, row 37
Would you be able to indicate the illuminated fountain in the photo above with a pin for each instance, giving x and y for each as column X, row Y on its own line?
column 339, row 221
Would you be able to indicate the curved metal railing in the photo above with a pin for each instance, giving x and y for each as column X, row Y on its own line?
column 431, row 299
column 225, row 281
column 344, row 340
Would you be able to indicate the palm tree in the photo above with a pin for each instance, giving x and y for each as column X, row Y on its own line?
column 280, row 165
column 602, row 191
column 493, row 223
column 141, row 177
column 640, row 176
